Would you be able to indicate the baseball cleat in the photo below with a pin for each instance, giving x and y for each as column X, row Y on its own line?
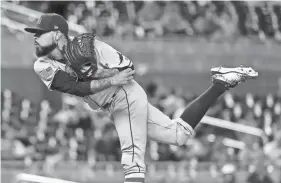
column 230, row 77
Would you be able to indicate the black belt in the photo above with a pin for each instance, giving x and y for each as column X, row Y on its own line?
column 107, row 104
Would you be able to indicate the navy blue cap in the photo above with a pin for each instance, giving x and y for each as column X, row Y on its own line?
column 49, row 22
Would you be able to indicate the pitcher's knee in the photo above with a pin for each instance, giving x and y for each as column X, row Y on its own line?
column 184, row 131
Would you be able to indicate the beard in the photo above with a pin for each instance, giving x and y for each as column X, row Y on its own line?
column 43, row 51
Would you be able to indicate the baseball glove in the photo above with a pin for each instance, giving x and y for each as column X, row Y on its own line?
column 81, row 56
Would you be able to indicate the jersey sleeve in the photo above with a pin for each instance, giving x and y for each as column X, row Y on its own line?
column 112, row 58
column 46, row 71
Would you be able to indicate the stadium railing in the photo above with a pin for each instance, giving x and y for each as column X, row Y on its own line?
column 235, row 127
column 112, row 172
column 39, row 179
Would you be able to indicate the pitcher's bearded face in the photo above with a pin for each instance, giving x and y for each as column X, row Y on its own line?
column 44, row 43
column 42, row 51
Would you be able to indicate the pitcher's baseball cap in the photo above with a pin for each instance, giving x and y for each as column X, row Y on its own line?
column 49, row 22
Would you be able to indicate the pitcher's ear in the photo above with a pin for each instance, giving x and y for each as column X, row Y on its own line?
column 57, row 36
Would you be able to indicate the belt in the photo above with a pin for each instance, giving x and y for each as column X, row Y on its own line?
column 107, row 104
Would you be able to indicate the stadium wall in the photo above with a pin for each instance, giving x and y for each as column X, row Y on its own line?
column 184, row 55
column 185, row 61
column 25, row 83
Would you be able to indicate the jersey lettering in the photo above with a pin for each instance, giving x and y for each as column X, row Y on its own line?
column 110, row 58
column 120, row 57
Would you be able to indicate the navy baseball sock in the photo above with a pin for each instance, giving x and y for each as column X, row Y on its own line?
column 134, row 178
column 196, row 110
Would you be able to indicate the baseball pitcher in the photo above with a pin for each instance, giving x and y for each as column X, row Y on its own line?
column 104, row 78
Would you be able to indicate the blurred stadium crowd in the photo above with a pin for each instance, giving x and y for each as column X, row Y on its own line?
column 33, row 132
column 213, row 20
